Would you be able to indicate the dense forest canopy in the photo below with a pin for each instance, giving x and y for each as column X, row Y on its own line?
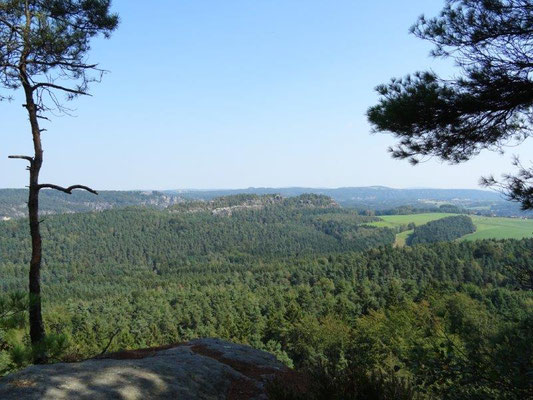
column 300, row 277
column 442, row 230
column 161, row 239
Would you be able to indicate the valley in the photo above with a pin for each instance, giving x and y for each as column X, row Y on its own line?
column 300, row 277
column 138, row 261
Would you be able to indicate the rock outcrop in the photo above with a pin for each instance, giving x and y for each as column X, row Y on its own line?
column 227, row 205
column 200, row 369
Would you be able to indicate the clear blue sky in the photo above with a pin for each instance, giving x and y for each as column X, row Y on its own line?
column 232, row 94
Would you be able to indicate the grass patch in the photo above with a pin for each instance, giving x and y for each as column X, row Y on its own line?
column 487, row 227
column 401, row 238
column 393, row 221
column 500, row 228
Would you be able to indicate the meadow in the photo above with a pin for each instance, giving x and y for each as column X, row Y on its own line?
column 487, row 227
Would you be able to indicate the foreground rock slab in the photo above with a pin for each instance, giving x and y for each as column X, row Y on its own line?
column 200, row 369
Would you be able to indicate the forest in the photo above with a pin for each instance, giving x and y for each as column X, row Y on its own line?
column 302, row 278
column 360, row 307
column 441, row 230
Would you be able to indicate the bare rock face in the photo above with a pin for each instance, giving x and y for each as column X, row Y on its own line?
column 200, row 369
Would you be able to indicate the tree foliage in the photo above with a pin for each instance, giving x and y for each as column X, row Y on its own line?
column 49, row 40
column 440, row 321
column 43, row 51
column 442, row 230
column 488, row 107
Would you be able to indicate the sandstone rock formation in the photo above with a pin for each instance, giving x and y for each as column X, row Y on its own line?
column 200, row 369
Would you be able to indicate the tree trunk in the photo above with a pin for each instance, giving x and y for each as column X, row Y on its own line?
column 37, row 332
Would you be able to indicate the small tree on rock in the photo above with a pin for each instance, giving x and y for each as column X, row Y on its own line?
column 43, row 51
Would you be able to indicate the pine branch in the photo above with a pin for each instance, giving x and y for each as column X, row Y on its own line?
column 58, row 87
column 67, row 190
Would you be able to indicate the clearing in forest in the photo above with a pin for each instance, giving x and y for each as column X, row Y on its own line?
column 487, row 227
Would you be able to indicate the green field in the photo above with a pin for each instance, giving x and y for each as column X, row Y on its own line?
column 500, row 228
column 487, row 227
column 392, row 221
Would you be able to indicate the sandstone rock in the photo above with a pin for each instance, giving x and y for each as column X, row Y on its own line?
column 200, row 369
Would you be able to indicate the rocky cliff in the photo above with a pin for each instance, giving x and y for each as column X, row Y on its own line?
column 200, row 369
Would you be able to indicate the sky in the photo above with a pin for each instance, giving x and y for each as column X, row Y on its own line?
column 241, row 93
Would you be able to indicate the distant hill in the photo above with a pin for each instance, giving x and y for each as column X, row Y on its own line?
column 356, row 195
column 13, row 201
column 226, row 205
column 379, row 198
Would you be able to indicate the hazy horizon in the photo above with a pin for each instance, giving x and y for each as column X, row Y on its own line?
column 281, row 188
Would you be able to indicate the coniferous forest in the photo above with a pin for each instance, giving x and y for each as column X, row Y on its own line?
column 445, row 229
column 357, row 307
column 301, row 277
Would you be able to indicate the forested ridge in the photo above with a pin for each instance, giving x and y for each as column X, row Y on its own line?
column 302, row 279
column 13, row 201
column 378, row 199
column 164, row 238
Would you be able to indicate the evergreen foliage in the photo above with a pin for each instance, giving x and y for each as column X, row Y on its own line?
column 441, row 321
column 442, row 230
column 487, row 107
column 44, row 47
column 165, row 239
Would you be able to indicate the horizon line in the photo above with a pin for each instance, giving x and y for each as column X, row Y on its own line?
column 276, row 188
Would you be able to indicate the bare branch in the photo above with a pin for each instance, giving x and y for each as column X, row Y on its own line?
column 68, row 64
column 27, row 158
column 58, row 87
column 67, row 190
